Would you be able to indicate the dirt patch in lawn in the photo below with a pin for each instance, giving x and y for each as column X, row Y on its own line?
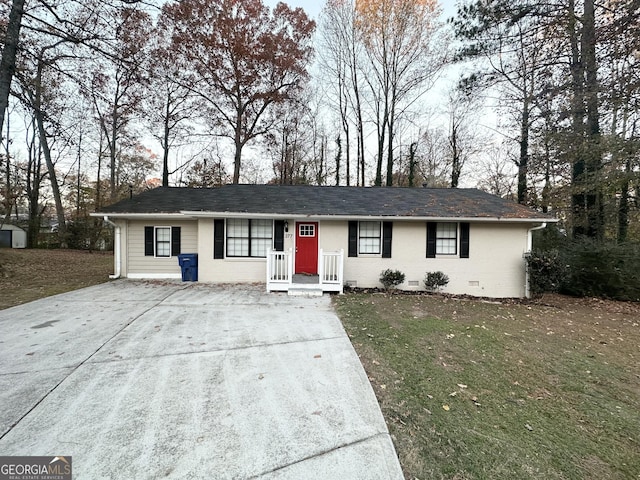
column 475, row 389
column 26, row 275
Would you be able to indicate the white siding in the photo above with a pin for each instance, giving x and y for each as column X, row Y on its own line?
column 231, row 270
column 137, row 264
column 495, row 268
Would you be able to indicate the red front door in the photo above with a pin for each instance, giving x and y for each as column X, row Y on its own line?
column 307, row 248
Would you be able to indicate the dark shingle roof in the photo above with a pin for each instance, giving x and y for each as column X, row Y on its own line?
column 326, row 201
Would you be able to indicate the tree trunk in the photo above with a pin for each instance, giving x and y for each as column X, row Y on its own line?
column 55, row 188
column 237, row 157
column 456, row 167
column 378, row 180
column 523, row 162
column 113, row 144
column 8, row 195
column 338, row 159
column 623, row 208
column 595, row 207
column 165, row 145
column 577, row 115
column 9, row 52
column 412, row 163
column 390, row 127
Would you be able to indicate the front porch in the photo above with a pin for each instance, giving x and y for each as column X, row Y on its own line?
column 281, row 277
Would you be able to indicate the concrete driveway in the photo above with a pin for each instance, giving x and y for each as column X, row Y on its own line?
column 147, row 380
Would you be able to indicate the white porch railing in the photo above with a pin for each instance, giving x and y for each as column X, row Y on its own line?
column 279, row 270
column 280, row 275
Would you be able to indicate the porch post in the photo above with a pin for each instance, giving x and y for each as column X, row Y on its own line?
column 341, row 271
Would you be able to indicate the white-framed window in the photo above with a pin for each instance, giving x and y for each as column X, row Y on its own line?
column 248, row 237
column 306, row 230
column 163, row 241
column 447, row 239
column 369, row 238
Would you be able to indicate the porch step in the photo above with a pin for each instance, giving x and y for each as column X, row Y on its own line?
column 305, row 290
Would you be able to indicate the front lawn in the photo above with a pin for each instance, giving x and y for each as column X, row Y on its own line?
column 472, row 389
column 27, row 275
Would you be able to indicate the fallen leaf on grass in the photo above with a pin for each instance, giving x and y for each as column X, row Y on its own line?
column 445, row 408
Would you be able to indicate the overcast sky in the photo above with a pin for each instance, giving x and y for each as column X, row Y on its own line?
column 314, row 7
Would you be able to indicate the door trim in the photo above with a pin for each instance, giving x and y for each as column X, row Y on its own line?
column 297, row 268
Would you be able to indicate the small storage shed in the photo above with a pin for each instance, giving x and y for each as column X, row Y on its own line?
column 12, row 237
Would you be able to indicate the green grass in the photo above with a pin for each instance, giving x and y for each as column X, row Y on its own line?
column 30, row 274
column 532, row 391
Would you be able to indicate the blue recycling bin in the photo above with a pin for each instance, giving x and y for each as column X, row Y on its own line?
column 189, row 264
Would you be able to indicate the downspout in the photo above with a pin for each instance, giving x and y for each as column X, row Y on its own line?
column 116, row 248
column 527, row 289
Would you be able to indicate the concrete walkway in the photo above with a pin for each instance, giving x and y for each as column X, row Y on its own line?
column 147, row 380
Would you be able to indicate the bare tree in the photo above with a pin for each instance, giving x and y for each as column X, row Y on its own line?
column 117, row 83
column 341, row 55
column 245, row 59
column 406, row 54
column 170, row 104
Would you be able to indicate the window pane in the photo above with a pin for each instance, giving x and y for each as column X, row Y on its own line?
column 259, row 246
column 261, row 228
column 163, row 250
column 369, row 241
column 163, row 242
column 446, row 238
column 237, row 228
column 238, row 247
column 307, row 230
column 242, row 234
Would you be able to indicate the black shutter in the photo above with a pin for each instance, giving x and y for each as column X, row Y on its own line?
column 218, row 239
column 387, row 232
column 175, row 241
column 278, row 235
column 431, row 239
column 148, row 241
column 353, row 239
column 464, row 240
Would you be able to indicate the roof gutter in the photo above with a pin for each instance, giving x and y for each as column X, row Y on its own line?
column 288, row 216
column 116, row 248
column 527, row 285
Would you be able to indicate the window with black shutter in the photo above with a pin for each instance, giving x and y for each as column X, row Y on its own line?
column 175, row 241
column 431, row 239
column 278, row 235
column 218, row 239
column 464, row 240
column 387, row 233
column 353, row 239
column 148, row 242
column 162, row 241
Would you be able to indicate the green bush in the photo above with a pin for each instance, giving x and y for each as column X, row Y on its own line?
column 587, row 268
column 602, row 269
column 433, row 281
column 391, row 278
column 547, row 271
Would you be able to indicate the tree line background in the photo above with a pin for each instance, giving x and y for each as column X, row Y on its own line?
column 101, row 99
